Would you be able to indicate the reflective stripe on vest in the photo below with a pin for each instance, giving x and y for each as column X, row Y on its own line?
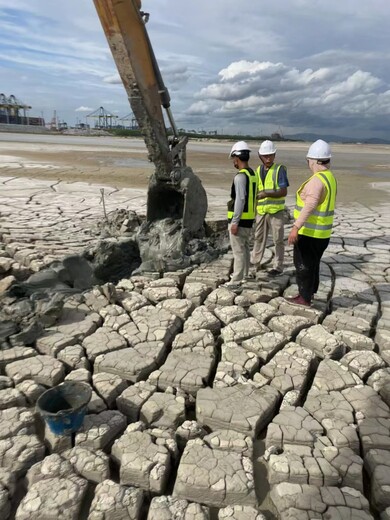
column 320, row 222
column 269, row 205
column 317, row 213
column 249, row 212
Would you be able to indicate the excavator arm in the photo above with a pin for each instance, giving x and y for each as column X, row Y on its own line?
column 174, row 190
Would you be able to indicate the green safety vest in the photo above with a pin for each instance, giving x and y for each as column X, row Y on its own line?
column 249, row 213
column 269, row 204
column 319, row 224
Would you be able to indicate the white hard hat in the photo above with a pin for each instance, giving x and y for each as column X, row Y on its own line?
column 319, row 150
column 237, row 148
column 267, row 148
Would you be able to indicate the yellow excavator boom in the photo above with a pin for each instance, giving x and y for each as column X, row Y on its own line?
column 126, row 35
column 174, row 190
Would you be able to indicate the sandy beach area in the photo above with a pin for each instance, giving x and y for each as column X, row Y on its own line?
column 363, row 171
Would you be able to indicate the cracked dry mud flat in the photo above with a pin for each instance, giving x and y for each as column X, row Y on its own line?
column 206, row 404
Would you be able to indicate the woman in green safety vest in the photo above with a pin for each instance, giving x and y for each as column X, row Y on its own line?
column 313, row 214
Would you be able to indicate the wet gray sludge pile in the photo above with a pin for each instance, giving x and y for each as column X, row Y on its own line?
column 206, row 404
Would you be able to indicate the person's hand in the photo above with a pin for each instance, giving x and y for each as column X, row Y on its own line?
column 261, row 195
column 293, row 236
column 234, row 229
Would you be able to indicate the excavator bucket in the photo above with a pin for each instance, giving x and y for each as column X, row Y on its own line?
column 182, row 197
column 175, row 192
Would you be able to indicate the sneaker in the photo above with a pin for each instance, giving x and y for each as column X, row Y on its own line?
column 233, row 286
column 274, row 272
column 298, row 300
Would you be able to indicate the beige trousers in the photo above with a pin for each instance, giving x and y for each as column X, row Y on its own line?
column 241, row 253
column 275, row 221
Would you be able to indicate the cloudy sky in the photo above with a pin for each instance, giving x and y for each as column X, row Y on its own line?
column 245, row 66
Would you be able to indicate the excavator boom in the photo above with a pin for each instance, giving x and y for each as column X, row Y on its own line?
column 174, row 190
column 126, row 35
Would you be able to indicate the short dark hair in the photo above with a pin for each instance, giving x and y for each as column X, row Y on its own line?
column 242, row 154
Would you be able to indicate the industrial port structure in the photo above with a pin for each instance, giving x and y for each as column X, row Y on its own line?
column 106, row 120
column 15, row 112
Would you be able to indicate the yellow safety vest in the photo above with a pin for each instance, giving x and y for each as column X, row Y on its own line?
column 249, row 212
column 269, row 204
column 319, row 224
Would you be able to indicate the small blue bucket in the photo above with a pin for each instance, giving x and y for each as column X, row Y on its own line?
column 63, row 407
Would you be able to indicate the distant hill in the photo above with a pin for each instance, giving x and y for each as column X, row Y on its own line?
column 337, row 138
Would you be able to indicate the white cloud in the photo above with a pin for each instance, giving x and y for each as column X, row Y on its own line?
column 355, row 85
column 256, row 93
column 83, row 109
column 246, row 68
column 114, row 79
column 201, row 108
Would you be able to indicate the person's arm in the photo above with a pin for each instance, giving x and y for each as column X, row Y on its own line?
column 314, row 194
column 273, row 194
column 239, row 203
column 283, row 184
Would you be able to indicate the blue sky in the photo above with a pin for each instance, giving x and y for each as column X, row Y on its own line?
column 248, row 66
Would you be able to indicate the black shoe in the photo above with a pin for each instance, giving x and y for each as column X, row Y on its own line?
column 274, row 272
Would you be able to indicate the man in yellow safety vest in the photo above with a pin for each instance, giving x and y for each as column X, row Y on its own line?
column 241, row 212
column 313, row 214
column 272, row 190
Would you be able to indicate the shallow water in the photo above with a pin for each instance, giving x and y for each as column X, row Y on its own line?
column 131, row 163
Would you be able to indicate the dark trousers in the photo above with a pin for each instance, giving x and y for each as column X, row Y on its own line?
column 307, row 256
